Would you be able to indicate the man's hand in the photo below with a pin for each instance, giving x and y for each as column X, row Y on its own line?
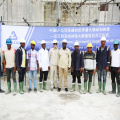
column 96, row 68
column 40, row 68
column 71, row 69
column 48, row 67
column 18, row 69
column 27, row 70
column 94, row 72
column 68, row 68
column 37, row 71
column 14, row 69
column 118, row 71
column 5, row 71
column 81, row 70
column 107, row 69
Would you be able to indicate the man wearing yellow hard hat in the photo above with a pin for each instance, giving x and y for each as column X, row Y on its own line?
column 32, row 66
column 89, row 68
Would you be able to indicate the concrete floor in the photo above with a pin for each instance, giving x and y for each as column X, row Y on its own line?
column 60, row 106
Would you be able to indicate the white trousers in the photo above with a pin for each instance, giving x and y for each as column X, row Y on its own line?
column 53, row 75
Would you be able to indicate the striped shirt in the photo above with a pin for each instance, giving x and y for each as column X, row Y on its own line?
column 89, row 61
column 32, row 56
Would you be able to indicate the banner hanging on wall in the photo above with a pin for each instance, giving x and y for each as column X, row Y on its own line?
column 84, row 35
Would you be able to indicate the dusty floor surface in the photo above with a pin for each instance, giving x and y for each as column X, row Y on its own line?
column 60, row 106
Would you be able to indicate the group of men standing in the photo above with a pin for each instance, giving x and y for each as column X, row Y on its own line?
column 43, row 61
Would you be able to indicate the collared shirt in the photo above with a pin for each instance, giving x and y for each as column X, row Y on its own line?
column 53, row 56
column 9, row 56
column 64, row 58
column 23, row 58
column 32, row 56
column 103, row 57
column 115, row 58
column 43, row 59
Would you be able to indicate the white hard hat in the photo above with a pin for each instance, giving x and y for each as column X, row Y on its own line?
column 76, row 44
column 64, row 41
column 54, row 41
column 43, row 42
column 22, row 40
column 103, row 38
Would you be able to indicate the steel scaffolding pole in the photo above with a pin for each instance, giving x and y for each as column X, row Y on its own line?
column 105, row 13
column 112, row 13
column 72, row 11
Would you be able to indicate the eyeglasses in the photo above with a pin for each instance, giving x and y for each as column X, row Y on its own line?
column 54, row 43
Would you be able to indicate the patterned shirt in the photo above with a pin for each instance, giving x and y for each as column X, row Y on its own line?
column 32, row 56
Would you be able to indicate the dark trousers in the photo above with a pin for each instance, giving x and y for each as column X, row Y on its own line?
column 74, row 79
column 115, row 74
column 22, row 74
column 10, row 71
column 88, row 73
column 45, row 74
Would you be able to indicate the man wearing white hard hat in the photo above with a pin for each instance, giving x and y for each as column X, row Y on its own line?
column 102, row 63
column 64, row 63
column 21, row 64
column 77, row 65
column 43, row 59
column 53, row 57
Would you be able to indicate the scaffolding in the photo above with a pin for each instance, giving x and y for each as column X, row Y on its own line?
column 59, row 12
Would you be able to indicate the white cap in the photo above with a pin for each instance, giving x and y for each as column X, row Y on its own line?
column 43, row 42
column 76, row 44
column 22, row 40
column 103, row 38
column 54, row 41
column 64, row 41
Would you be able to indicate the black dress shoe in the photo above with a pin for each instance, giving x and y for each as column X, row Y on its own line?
column 1, row 91
column 35, row 90
column 54, row 87
column 66, row 90
column 29, row 90
column 59, row 89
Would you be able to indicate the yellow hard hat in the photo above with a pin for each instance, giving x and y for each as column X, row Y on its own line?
column 33, row 42
column 89, row 45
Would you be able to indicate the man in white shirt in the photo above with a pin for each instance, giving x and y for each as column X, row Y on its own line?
column 115, row 68
column 10, row 66
column 53, row 57
column 32, row 66
column 43, row 64
column 64, row 63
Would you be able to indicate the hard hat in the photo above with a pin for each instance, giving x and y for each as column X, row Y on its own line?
column 76, row 44
column 64, row 41
column 22, row 40
column 89, row 45
column 43, row 42
column 54, row 41
column 103, row 38
column 33, row 42
column 8, row 41
column 116, row 42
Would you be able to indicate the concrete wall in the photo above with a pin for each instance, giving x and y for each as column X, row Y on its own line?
column 38, row 11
